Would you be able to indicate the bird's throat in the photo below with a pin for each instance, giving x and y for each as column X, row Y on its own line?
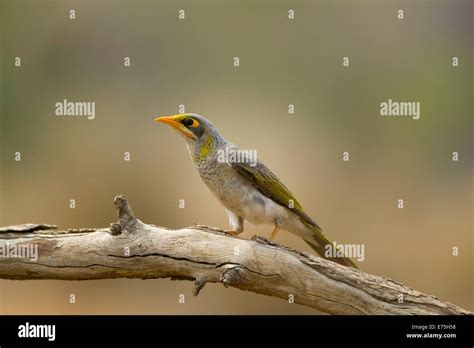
column 205, row 148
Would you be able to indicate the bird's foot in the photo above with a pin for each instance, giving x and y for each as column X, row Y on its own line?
column 232, row 232
column 206, row 228
column 214, row 229
column 274, row 233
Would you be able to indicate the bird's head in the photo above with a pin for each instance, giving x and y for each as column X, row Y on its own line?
column 191, row 126
column 198, row 132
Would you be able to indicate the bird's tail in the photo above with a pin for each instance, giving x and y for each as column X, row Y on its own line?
column 319, row 243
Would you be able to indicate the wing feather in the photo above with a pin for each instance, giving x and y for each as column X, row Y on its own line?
column 268, row 183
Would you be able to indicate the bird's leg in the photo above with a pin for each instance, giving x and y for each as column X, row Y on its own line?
column 236, row 224
column 275, row 231
column 232, row 232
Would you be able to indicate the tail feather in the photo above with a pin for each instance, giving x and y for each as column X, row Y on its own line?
column 318, row 242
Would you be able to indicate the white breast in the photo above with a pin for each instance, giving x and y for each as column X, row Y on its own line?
column 240, row 197
column 259, row 209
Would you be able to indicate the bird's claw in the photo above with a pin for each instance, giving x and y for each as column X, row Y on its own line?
column 214, row 229
column 232, row 233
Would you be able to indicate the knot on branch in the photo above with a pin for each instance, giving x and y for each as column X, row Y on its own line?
column 124, row 212
column 199, row 283
column 231, row 276
column 115, row 229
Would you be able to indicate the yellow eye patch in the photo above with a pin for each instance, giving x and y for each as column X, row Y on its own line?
column 191, row 122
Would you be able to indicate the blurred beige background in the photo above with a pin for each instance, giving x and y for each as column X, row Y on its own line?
column 283, row 62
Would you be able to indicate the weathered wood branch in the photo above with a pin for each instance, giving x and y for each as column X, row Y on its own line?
column 133, row 249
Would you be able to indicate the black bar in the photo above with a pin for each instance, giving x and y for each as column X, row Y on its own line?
column 242, row 330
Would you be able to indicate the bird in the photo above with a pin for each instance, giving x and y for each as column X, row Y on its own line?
column 246, row 187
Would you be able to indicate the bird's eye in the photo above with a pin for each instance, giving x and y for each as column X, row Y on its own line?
column 191, row 122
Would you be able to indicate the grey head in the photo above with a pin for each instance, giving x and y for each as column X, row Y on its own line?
column 199, row 133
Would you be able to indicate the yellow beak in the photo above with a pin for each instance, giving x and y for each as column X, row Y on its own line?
column 175, row 122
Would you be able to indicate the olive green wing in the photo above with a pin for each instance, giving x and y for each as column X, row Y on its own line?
column 267, row 183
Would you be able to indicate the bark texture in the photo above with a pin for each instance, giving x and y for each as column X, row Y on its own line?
column 133, row 249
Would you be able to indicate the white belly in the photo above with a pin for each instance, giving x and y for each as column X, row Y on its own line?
column 259, row 209
column 240, row 197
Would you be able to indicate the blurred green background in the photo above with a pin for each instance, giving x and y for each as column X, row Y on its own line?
column 282, row 62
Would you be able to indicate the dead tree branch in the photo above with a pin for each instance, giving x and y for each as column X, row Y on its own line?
column 133, row 249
